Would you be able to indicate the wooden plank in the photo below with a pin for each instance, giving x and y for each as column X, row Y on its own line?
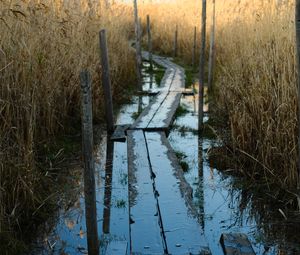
column 146, row 236
column 166, row 112
column 236, row 244
column 181, row 225
column 119, row 134
column 117, row 248
column 160, row 113
column 145, row 117
column 188, row 92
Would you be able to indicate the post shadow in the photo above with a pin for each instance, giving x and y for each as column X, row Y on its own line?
column 108, row 185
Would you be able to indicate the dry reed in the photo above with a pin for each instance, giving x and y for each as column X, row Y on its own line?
column 43, row 46
column 255, row 79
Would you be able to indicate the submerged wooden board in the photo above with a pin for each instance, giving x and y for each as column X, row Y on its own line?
column 166, row 113
column 182, row 229
column 236, row 244
column 160, row 113
column 119, row 134
column 146, row 236
column 117, row 248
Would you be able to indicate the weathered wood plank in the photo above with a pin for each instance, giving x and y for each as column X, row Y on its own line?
column 119, row 134
column 166, row 112
column 182, row 229
column 160, row 113
column 146, row 236
column 89, row 163
column 236, row 244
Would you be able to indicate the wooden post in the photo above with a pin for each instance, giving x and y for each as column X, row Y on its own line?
column 202, row 65
column 140, row 35
column 149, row 42
column 138, row 47
column 212, row 49
column 106, row 82
column 297, row 22
column 175, row 42
column 89, row 165
column 194, row 47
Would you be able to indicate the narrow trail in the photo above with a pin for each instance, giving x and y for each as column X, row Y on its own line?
column 156, row 180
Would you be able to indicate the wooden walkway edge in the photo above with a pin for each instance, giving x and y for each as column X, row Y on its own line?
column 162, row 215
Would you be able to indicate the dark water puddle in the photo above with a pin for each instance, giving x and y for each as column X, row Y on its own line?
column 219, row 201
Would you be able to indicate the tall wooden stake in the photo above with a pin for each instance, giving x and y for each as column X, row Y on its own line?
column 175, row 42
column 212, row 49
column 297, row 10
column 106, row 82
column 89, row 165
column 138, row 46
column 202, row 65
column 149, row 42
column 194, row 47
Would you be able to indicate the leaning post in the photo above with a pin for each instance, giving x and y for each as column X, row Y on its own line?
column 89, row 165
column 201, row 68
column 212, row 53
column 106, row 82
column 149, row 42
column 138, row 46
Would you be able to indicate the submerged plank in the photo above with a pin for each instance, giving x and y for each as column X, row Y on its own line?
column 160, row 113
column 146, row 236
column 119, row 134
column 117, row 248
column 166, row 113
column 182, row 229
column 236, row 244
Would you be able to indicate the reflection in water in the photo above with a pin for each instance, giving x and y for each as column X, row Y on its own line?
column 227, row 205
column 200, row 190
column 108, row 184
column 140, row 104
column 224, row 204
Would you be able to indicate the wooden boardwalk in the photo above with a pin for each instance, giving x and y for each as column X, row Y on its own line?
column 159, row 215
column 162, row 219
column 160, row 113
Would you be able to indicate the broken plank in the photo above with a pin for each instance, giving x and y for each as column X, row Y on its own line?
column 182, row 228
column 188, row 92
column 236, row 244
column 146, row 236
column 119, row 134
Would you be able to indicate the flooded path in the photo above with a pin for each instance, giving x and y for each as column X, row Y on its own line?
column 218, row 201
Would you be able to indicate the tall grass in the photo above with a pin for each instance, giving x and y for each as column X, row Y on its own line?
column 43, row 47
column 255, row 79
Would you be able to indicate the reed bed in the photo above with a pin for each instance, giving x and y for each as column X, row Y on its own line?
column 255, row 82
column 43, row 47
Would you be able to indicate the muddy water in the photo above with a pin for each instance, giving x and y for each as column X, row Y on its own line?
column 220, row 201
